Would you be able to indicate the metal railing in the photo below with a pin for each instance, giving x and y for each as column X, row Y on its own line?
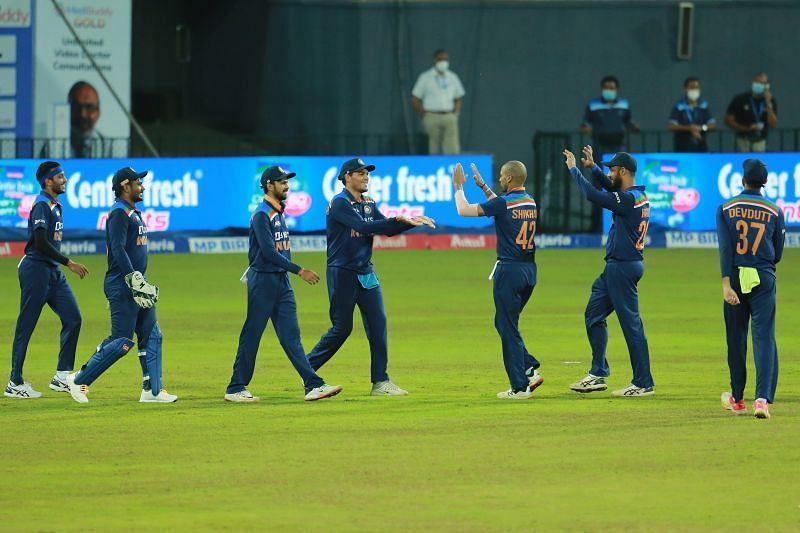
column 562, row 206
column 172, row 144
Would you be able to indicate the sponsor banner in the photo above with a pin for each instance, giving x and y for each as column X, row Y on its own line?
column 16, row 74
column 12, row 249
column 72, row 104
column 217, row 193
column 218, row 245
column 686, row 189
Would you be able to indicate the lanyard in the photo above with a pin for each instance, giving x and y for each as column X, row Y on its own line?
column 690, row 112
column 758, row 110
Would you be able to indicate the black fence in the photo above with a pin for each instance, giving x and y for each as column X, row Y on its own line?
column 562, row 207
column 173, row 144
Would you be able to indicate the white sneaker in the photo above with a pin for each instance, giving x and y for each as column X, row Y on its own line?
column 589, row 384
column 24, row 391
column 243, row 396
column 534, row 380
column 59, row 384
column 511, row 395
column 78, row 392
column 162, row 397
column 387, row 388
column 632, row 390
column 323, row 391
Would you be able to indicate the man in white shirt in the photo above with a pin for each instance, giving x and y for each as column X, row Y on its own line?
column 437, row 100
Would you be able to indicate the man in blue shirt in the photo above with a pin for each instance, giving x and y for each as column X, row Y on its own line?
column 616, row 289
column 690, row 119
column 270, row 294
column 606, row 118
column 352, row 220
column 42, row 282
column 514, row 273
column 131, row 297
column 751, row 232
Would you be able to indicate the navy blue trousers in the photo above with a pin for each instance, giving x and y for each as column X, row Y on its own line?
column 40, row 284
column 616, row 291
column 345, row 293
column 270, row 296
column 513, row 286
column 759, row 306
column 127, row 318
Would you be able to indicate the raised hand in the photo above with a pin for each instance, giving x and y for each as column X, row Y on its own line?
column 588, row 157
column 570, row 159
column 459, row 178
column 476, row 176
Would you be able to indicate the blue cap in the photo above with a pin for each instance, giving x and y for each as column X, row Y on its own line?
column 275, row 173
column 354, row 165
column 125, row 175
column 755, row 171
column 622, row 159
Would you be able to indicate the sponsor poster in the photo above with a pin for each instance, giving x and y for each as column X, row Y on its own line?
column 217, row 193
column 71, row 102
column 16, row 74
column 685, row 189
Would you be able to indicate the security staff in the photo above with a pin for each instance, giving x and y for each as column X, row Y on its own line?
column 270, row 294
column 42, row 282
column 751, row 232
column 514, row 274
column 606, row 118
column 131, row 297
column 352, row 221
column 616, row 289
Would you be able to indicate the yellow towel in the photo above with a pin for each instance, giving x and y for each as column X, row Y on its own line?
column 748, row 279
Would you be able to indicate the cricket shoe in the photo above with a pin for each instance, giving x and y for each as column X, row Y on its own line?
column 243, row 396
column 78, row 392
column 24, row 391
column 59, row 384
column 387, row 388
column 632, row 391
column 518, row 395
column 761, row 408
column 323, row 391
column 737, row 408
column 534, row 380
column 162, row 397
column 590, row 384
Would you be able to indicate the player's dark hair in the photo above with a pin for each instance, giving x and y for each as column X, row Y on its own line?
column 609, row 78
column 439, row 51
column 689, row 80
column 44, row 168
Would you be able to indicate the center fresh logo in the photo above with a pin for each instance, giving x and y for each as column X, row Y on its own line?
column 297, row 203
column 685, row 200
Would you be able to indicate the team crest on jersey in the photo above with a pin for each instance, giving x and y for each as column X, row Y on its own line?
column 367, row 209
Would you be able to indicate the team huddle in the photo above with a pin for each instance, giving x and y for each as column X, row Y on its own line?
column 750, row 230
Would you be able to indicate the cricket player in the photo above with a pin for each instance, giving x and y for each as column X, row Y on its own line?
column 751, row 232
column 270, row 294
column 131, row 297
column 616, row 290
column 352, row 221
column 514, row 273
column 42, row 282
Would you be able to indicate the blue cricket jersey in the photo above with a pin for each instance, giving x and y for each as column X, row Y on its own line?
column 630, row 216
column 270, row 249
column 350, row 228
column 126, row 240
column 515, row 218
column 45, row 213
column 751, row 232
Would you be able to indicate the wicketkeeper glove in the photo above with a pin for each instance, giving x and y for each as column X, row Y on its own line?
column 144, row 294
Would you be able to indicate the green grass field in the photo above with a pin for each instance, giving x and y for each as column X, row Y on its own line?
column 448, row 457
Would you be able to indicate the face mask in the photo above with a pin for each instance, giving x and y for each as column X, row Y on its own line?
column 442, row 66
column 609, row 94
column 758, row 88
column 693, row 94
